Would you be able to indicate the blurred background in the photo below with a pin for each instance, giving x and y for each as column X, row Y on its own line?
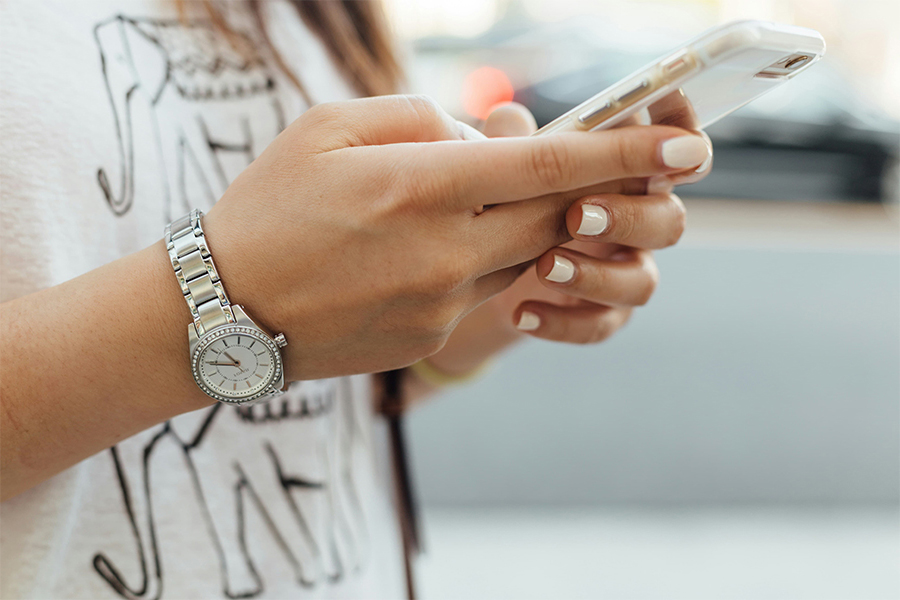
column 741, row 437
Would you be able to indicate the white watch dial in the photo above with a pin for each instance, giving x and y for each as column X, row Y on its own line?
column 237, row 363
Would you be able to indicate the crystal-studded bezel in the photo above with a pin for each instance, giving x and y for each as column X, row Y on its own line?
column 228, row 330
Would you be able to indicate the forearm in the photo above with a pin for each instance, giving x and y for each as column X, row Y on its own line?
column 90, row 362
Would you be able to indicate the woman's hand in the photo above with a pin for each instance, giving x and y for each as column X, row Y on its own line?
column 585, row 290
column 358, row 231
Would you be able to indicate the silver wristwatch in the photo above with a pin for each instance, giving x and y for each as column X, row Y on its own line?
column 233, row 360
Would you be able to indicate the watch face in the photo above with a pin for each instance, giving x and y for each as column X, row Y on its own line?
column 236, row 364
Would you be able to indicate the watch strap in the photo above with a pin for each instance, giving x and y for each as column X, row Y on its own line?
column 196, row 273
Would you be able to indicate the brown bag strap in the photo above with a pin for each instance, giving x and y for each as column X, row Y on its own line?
column 392, row 407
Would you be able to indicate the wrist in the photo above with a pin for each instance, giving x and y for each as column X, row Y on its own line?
column 437, row 377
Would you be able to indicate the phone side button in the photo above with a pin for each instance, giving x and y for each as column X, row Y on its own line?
column 592, row 116
column 634, row 92
column 679, row 65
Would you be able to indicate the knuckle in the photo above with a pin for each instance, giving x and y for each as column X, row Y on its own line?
column 651, row 281
column 645, row 293
column 625, row 220
column 435, row 323
column 574, row 331
column 444, row 277
column 423, row 105
column 595, row 282
column 602, row 329
column 431, row 346
column 593, row 335
column 602, row 333
column 426, row 111
column 623, row 153
column 324, row 114
column 432, row 189
column 550, row 163
column 679, row 223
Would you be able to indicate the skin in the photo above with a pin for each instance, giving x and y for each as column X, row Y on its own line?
column 614, row 273
column 358, row 234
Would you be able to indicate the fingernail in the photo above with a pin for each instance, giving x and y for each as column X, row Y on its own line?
column 528, row 321
column 659, row 184
column 563, row 270
column 703, row 167
column 594, row 220
column 685, row 151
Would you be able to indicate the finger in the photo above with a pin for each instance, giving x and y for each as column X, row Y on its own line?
column 633, row 186
column 651, row 222
column 509, row 120
column 641, row 117
column 488, row 286
column 584, row 324
column 700, row 172
column 628, row 278
column 379, row 120
column 510, row 169
column 518, row 232
column 674, row 109
column 655, row 221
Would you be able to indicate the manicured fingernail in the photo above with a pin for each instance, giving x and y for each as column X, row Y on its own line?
column 563, row 270
column 685, row 151
column 467, row 132
column 703, row 167
column 594, row 220
column 660, row 184
column 528, row 321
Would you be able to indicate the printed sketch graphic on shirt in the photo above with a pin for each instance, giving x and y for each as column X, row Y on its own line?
column 187, row 75
column 211, row 106
column 254, row 477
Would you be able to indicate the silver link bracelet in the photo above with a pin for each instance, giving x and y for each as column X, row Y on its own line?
column 196, row 273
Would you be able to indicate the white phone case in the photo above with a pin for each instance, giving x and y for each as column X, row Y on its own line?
column 709, row 77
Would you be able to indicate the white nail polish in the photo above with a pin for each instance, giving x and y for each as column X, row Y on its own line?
column 528, row 321
column 660, row 184
column 594, row 220
column 685, row 151
column 563, row 270
column 703, row 167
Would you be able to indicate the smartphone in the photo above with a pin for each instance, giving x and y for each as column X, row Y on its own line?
column 709, row 77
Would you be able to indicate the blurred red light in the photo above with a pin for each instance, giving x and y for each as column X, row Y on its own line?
column 483, row 89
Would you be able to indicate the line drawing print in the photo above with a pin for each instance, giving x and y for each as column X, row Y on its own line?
column 190, row 111
column 274, row 492
column 208, row 105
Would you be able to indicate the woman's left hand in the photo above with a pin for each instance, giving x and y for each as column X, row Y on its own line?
column 584, row 291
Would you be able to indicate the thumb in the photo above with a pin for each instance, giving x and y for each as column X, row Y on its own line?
column 510, row 120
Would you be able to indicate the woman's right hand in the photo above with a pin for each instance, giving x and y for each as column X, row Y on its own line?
column 359, row 234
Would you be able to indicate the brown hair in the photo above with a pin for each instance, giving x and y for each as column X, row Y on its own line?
column 355, row 34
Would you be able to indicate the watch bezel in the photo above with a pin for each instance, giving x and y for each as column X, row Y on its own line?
column 226, row 330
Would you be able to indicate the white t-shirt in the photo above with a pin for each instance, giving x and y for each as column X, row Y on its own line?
column 117, row 118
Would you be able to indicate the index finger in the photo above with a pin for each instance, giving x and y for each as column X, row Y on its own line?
column 502, row 170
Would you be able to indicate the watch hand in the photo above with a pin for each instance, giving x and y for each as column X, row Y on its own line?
column 218, row 364
column 236, row 362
